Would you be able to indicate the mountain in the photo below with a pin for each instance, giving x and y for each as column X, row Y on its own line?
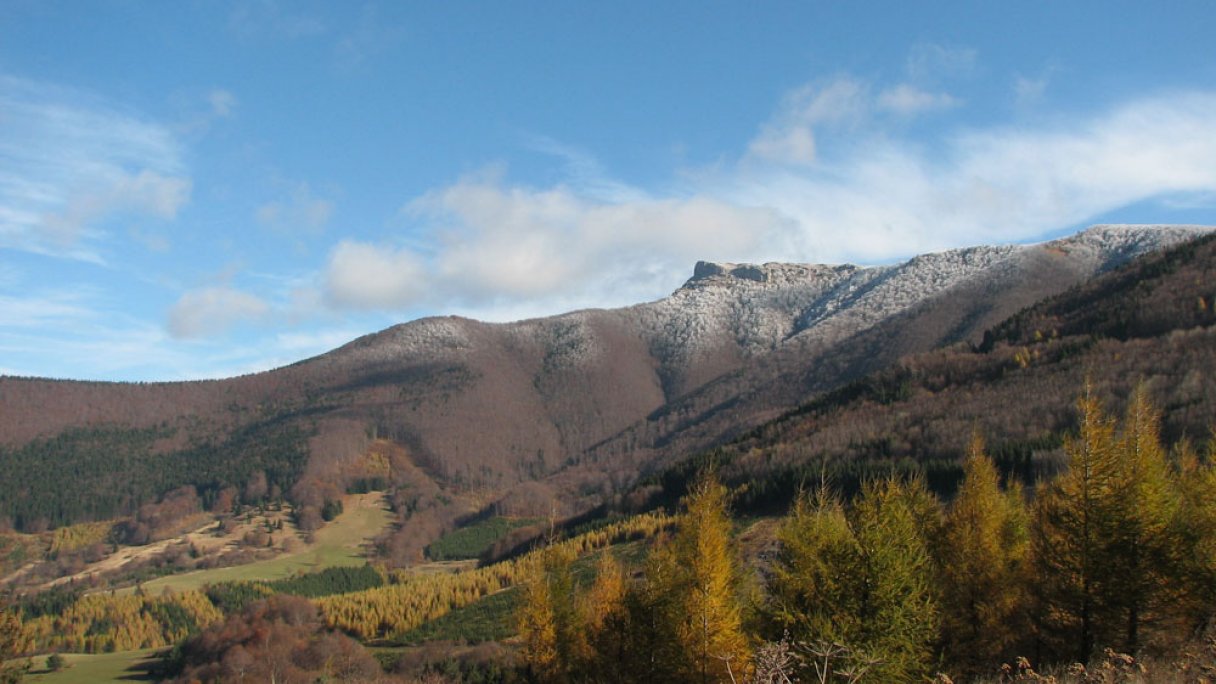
column 1150, row 323
column 561, row 411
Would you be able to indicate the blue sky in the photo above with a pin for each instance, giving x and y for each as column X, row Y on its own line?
column 203, row 189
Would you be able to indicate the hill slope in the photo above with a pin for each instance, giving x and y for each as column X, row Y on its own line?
column 1150, row 322
column 585, row 401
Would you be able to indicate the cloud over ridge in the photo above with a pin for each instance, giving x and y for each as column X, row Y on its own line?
column 489, row 246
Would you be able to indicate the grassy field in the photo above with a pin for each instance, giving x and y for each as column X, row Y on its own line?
column 88, row 668
column 340, row 542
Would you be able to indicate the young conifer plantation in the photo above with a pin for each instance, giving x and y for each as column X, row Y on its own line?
column 1104, row 574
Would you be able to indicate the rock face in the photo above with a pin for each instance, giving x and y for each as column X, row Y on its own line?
column 592, row 398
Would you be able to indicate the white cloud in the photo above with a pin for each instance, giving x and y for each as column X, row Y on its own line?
column 789, row 136
column 300, row 212
column 364, row 276
column 493, row 248
column 906, row 99
column 69, row 162
column 884, row 198
column 212, row 310
column 487, row 248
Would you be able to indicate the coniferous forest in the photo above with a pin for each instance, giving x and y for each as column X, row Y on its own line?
column 1107, row 566
column 1106, row 571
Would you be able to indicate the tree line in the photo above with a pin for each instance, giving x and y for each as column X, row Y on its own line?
column 1117, row 552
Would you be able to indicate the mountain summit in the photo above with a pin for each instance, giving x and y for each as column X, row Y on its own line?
column 582, row 402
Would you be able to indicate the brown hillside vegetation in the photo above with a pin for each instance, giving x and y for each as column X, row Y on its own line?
column 583, row 402
column 1148, row 324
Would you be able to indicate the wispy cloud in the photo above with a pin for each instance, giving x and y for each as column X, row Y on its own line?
column 76, row 332
column 1029, row 90
column 69, row 162
column 492, row 248
column 371, row 35
column 789, row 136
column 883, row 197
column 47, row 309
column 907, row 99
column 495, row 249
column 213, row 310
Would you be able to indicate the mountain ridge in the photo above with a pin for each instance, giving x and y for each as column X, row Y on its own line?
column 583, row 401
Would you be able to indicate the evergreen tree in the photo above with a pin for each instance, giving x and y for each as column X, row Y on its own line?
column 860, row 588
column 899, row 605
column 653, row 613
column 815, row 587
column 983, row 572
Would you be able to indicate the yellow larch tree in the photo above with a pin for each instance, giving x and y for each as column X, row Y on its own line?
column 1195, row 529
column 1145, row 553
column 1071, row 540
column 537, row 625
column 711, row 632
column 983, row 569
column 604, row 617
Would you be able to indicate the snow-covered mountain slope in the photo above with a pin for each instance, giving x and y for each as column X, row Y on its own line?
column 744, row 310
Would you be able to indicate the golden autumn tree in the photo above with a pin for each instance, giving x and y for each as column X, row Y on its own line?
column 547, row 618
column 1144, row 556
column 983, row 567
column 711, row 631
column 537, row 627
column 1195, row 529
column 686, row 619
column 1071, row 540
column 13, row 645
column 604, row 617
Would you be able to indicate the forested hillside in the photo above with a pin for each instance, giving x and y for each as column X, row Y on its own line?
column 1149, row 323
column 561, row 413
